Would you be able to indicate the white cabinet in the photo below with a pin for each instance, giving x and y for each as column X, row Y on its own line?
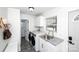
column 37, row 43
column 52, row 48
column 45, row 46
column 37, row 21
column 42, row 45
column 48, row 47
column 40, row 21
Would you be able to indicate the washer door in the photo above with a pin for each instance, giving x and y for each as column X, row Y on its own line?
column 33, row 40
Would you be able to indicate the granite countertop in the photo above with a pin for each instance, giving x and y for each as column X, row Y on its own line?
column 54, row 41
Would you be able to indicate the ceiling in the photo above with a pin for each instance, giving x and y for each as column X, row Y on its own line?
column 37, row 10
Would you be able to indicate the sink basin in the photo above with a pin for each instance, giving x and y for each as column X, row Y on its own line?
column 46, row 37
column 53, row 40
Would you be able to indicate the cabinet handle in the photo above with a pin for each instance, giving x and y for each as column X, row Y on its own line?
column 42, row 45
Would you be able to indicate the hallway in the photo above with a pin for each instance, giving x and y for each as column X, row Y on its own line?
column 25, row 46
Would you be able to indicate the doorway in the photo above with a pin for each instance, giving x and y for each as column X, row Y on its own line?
column 73, row 45
column 25, row 46
column 24, row 28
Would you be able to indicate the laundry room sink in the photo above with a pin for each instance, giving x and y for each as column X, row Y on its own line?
column 53, row 40
column 46, row 37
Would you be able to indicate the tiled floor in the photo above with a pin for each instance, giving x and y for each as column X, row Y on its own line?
column 25, row 46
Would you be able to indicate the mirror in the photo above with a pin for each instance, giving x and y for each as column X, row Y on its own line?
column 51, row 24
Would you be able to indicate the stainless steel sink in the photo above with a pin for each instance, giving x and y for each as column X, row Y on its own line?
column 47, row 37
column 53, row 40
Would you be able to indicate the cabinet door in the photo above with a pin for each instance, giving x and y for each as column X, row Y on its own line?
column 43, row 45
column 37, row 21
column 46, row 46
column 50, row 47
column 37, row 43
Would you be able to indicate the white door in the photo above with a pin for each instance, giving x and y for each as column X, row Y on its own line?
column 74, row 31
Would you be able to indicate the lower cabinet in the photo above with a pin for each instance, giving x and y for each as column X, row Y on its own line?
column 44, row 46
column 37, row 43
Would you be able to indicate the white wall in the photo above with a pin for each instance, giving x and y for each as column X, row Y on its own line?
column 3, row 13
column 62, row 23
column 14, row 20
column 31, row 19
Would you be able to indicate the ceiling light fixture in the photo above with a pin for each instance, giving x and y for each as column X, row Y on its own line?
column 31, row 8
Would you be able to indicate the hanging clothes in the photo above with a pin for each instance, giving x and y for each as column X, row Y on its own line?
column 6, row 34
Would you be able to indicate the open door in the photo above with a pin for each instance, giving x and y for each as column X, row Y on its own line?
column 73, row 45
